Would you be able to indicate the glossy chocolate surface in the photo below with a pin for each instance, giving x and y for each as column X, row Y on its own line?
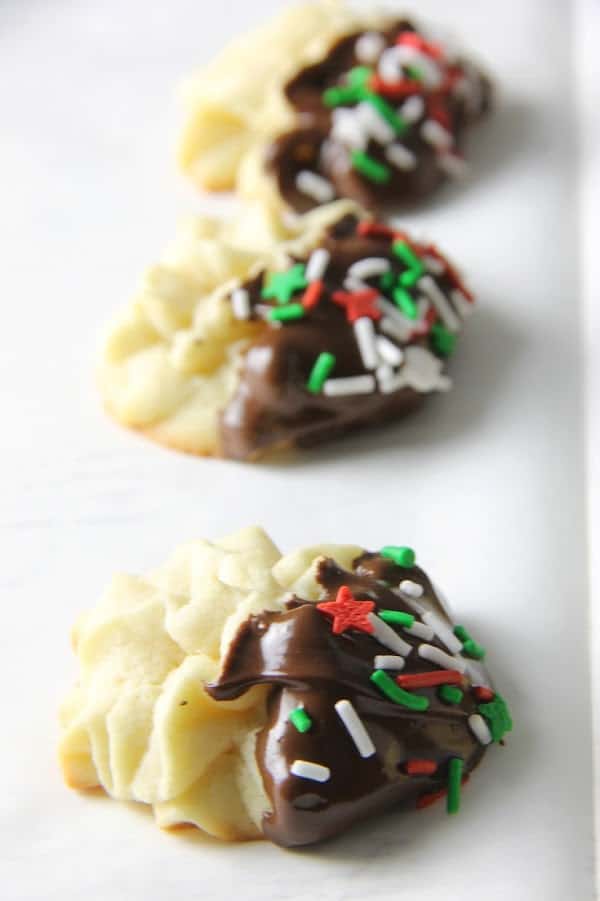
column 306, row 664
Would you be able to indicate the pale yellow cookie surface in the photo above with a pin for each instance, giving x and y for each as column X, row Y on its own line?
column 139, row 724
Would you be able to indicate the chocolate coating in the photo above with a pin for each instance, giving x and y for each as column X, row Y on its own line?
column 305, row 663
column 311, row 145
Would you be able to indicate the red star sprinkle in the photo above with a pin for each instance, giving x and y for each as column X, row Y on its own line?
column 358, row 303
column 347, row 612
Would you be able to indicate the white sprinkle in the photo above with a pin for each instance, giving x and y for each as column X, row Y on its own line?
column 315, row 186
column 355, row 384
column 440, row 302
column 436, row 134
column 355, row 728
column 413, row 603
column 412, row 589
column 386, row 636
column 355, row 284
column 401, row 157
column 384, row 372
column 477, row 674
column 443, row 660
column 313, row 771
column 412, row 109
column 374, row 124
column 390, row 65
column 392, row 327
column 388, row 351
column 432, row 264
column 480, row 728
column 462, row 304
column 393, row 59
column 425, row 633
column 264, row 311
column 453, row 165
column 334, row 158
column 369, row 47
column 388, row 661
column 369, row 267
column 443, row 632
column 317, row 264
column 403, row 325
column 364, row 332
column 240, row 303
column 348, row 130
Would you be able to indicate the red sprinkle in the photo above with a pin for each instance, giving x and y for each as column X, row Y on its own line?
column 418, row 767
column 430, row 798
column 312, row 295
column 358, row 304
column 347, row 612
column 374, row 230
column 412, row 39
column 394, row 89
column 432, row 677
column 482, row 693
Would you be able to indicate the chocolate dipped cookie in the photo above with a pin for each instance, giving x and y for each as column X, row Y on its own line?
column 255, row 695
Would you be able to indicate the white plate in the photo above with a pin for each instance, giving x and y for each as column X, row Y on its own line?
column 487, row 484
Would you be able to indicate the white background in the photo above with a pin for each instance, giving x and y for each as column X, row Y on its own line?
column 487, row 484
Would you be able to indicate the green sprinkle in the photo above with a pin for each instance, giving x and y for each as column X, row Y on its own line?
column 470, row 647
column 287, row 313
column 320, row 372
column 461, row 633
column 370, row 168
column 406, row 303
column 455, row 770
column 498, row 716
column 442, row 341
column 402, row 556
column 410, row 277
column 300, row 719
column 344, row 95
column 451, row 694
column 407, row 255
column 281, row 286
column 396, row 617
column 388, row 113
column 387, row 281
column 398, row 695
column 359, row 76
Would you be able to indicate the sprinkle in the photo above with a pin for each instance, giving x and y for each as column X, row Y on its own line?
column 300, row 719
column 453, row 165
column 413, row 39
column 482, row 693
column 393, row 59
column 320, row 372
column 312, row 295
column 364, row 332
column 429, row 287
column 498, row 717
column 443, row 632
column 445, row 661
column 358, row 304
column 419, row 767
column 401, row 556
column 433, row 264
column 357, row 384
column 429, row 679
column 462, row 304
column 412, row 109
column 469, row 647
column 436, row 134
column 317, row 265
column 388, row 351
column 370, row 168
column 341, row 95
column 240, row 303
column 391, row 327
column 396, row 617
column 430, row 798
column 369, row 267
column 404, row 251
column 384, row 374
column 358, row 76
column 355, row 728
column 369, row 47
column 401, row 157
column 388, row 661
column 315, row 186
column 480, row 729
column 425, row 633
column 374, row 124
column 442, row 341
column 368, row 229
column 347, row 612
column 347, row 128
column 356, row 285
column 388, row 687
column 450, row 694
column 477, row 674
column 412, row 589
column 386, row 636
column 288, row 313
column 387, row 113
column 395, row 90
column 305, row 769
column 455, row 770
column 406, row 303
column 282, row 285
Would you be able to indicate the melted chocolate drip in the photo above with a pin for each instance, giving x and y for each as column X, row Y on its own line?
column 310, row 145
column 306, row 664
